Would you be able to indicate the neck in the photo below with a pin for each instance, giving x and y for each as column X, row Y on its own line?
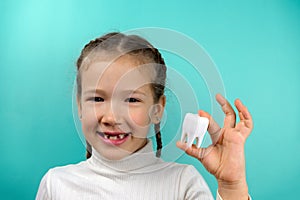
column 137, row 161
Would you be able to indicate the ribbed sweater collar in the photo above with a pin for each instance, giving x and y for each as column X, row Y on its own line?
column 140, row 161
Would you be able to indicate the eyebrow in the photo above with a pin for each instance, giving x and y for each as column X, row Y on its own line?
column 134, row 92
column 99, row 91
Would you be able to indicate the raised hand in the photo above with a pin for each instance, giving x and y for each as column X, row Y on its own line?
column 225, row 158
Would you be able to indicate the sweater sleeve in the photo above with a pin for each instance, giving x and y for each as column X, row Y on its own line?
column 220, row 198
column 43, row 192
column 193, row 186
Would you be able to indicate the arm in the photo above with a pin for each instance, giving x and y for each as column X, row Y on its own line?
column 225, row 158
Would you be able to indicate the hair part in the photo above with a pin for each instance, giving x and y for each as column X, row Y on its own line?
column 140, row 49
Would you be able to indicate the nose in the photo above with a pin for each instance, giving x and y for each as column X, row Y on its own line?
column 109, row 116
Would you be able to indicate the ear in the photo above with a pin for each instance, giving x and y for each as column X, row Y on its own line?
column 157, row 110
column 78, row 101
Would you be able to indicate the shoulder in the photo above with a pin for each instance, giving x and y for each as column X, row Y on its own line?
column 62, row 173
column 191, row 175
column 69, row 171
column 191, row 182
column 181, row 169
column 185, row 174
column 58, row 178
column 69, row 167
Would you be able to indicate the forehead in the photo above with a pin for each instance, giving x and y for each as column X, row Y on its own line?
column 123, row 73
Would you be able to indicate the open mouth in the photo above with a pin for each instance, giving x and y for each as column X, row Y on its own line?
column 113, row 137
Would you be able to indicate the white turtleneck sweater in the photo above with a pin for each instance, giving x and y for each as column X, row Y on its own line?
column 140, row 175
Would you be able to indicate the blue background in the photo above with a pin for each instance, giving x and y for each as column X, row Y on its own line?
column 255, row 45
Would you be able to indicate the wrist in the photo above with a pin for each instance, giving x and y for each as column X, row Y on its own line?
column 233, row 190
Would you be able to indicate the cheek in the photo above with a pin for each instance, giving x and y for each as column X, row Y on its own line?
column 139, row 117
column 89, row 118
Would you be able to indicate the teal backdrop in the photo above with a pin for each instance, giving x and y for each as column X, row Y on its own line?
column 255, row 45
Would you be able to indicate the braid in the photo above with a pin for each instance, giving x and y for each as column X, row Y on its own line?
column 158, row 139
column 159, row 91
column 88, row 150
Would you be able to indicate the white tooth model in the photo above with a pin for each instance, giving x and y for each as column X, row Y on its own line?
column 194, row 127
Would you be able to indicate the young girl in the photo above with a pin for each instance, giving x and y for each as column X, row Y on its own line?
column 120, row 94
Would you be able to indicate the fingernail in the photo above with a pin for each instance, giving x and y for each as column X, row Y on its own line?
column 221, row 99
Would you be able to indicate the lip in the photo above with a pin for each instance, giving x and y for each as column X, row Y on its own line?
column 113, row 142
column 114, row 133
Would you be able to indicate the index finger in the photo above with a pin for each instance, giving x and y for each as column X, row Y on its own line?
column 244, row 114
column 230, row 116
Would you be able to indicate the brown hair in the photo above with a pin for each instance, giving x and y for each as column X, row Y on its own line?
column 135, row 46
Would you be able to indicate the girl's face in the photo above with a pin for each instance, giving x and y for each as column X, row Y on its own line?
column 117, row 106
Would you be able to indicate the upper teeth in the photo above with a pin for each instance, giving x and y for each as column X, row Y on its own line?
column 121, row 136
column 113, row 137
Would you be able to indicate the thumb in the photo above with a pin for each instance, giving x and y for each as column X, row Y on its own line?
column 198, row 153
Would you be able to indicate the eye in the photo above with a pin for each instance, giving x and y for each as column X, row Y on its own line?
column 97, row 99
column 132, row 100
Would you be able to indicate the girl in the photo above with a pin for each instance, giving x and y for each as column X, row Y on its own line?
column 120, row 94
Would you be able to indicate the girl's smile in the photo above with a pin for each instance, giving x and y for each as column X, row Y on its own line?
column 114, row 138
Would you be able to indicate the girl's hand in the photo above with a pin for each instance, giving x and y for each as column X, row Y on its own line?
column 225, row 158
